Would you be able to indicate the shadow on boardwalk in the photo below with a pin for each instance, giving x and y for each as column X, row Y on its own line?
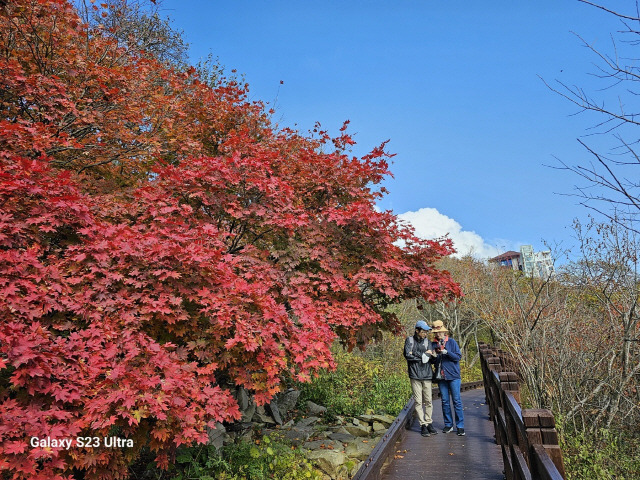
column 446, row 455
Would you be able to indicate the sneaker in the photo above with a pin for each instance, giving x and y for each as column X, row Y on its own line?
column 431, row 430
column 447, row 429
column 424, row 431
column 461, row 432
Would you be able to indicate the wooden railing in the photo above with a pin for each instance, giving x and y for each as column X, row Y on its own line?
column 371, row 469
column 528, row 437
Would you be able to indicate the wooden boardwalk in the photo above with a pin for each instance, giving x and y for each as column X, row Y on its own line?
column 446, row 455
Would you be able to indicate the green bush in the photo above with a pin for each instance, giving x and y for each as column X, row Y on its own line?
column 359, row 385
column 607, row 455
column 470, row 373
column 390, row 395
column 270, row 458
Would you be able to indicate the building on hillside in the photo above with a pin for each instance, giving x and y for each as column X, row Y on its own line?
column 508, row 259
column 532, row 263
column 526, row 258
column 536, row 264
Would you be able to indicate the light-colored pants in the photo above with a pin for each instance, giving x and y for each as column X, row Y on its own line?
column 422, row 395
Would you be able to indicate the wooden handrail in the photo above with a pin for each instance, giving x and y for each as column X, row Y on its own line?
column 528, row 437
column 372, row 466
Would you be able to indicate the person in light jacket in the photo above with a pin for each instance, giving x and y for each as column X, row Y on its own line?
column 419, row 358
column 447, row 375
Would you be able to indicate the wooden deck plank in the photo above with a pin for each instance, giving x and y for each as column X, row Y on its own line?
column 474, row 456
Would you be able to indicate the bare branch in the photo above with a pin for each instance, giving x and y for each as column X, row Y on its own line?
column 619, row 15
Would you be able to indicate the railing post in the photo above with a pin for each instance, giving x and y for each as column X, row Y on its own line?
column 485, row 353
column 509, row 383
column 494, row 368
column 493, row 365
column 504, row 426
column 541, row 430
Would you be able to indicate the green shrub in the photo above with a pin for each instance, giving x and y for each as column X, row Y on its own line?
column 607, row 455
column 270, row 458
column 390, row 395
column 470, row 373
column 359, row 385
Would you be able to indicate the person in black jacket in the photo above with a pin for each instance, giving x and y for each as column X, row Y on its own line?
column 419, row 357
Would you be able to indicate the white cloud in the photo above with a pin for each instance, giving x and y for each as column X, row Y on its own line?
column 429, row 224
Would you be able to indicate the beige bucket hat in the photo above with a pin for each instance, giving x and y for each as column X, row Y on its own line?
column 438, row 327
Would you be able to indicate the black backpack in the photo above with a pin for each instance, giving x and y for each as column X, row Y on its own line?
column 436, row 373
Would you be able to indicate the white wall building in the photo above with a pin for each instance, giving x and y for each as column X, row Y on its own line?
column 536, row 264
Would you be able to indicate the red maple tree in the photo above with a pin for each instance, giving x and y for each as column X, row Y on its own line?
column 161, row 241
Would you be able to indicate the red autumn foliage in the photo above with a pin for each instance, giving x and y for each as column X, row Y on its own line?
column 161, row 242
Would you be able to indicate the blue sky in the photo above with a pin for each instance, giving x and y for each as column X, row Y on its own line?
column 454, row 85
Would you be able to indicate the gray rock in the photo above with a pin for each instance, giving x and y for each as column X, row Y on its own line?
column 272, row 409
column 246, row 436
column 358, row 430
column 383, row 419
column 342, row 437
column 298, row 435
column 241, row 428
column 242, row 398
column 217, row 436
column 307, row 422
column 263, row 418
column 315, row 409
column 374, row 440
column 324, row 444
column 378, row 427
column 329, row 461
column 340, row 429
column 287, row 400
column 360, row 448
column 247, row 414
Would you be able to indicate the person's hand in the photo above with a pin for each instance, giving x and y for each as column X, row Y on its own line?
column 444, row 351
column 425, row 358
column 430, row 353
